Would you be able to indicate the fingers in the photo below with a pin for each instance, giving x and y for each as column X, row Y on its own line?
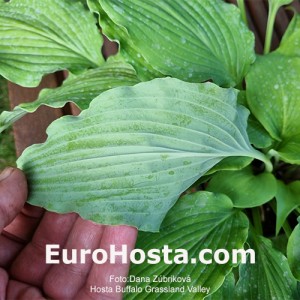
column 9, row 249
column 74, row 281
column 13, row 194
column 64, row 280
column 22, row 228
column 22, row 291
column 10, row 289
column 18, row 233
column 100, row 275
column 30, row 265
column 3, row 284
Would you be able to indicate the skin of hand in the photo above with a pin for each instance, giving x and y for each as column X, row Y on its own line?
column 25, row 231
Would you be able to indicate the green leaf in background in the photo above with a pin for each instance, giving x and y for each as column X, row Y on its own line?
column 293, row 252
column 226, row 291
column 127, row 49
column 287, row 198
column 243, row 187
column 269, row 278
column 230, row 164
column 288, row 150
column 127, row 158
column 290, row 42
column 80, row 89
column 40, row 37
column 273, row 94
column 280, row 242
column 193, row 41
column 258, row 136
column 198, row 221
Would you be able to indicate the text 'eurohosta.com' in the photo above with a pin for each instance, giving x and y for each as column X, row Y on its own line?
column 166, row 255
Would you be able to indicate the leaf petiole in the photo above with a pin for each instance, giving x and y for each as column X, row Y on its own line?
column 266, row 159
column 273, row 8
column 241, row 5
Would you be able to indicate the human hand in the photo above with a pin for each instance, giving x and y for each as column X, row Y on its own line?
column 24, row 273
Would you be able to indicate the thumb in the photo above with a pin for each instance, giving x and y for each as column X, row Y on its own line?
column 13, row 194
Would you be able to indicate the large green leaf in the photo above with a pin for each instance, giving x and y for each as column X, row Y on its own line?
column 127, row 49
column 293, row 252
column 287, row 198
column 80, row 89
column 231, row 164
column 273, row 95
column 198, row 221
column 190, row 40
column 40, row 37
column 127, row 158
column 288, row 150
column 290, row 42
column 226, row 291
column 258, row 136
column 238, row 186
column 269, row 278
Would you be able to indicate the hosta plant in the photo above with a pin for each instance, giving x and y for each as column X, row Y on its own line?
column 186, row 133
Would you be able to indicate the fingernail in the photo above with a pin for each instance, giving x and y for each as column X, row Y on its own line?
column 6, row 173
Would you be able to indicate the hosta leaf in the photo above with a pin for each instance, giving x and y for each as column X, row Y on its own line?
column 238, row 186
column 127, row 158
column 190, row 40
column 269, row 278
column 198, row 221
column 287, row 198
column 127, row 49
column 40, row 37
column 289, row 149
column 230, row 164
column 80, row 89
column 258, row 136
column 290, row 43
column 226, row 291
column 273, row 93
column 293, row 252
